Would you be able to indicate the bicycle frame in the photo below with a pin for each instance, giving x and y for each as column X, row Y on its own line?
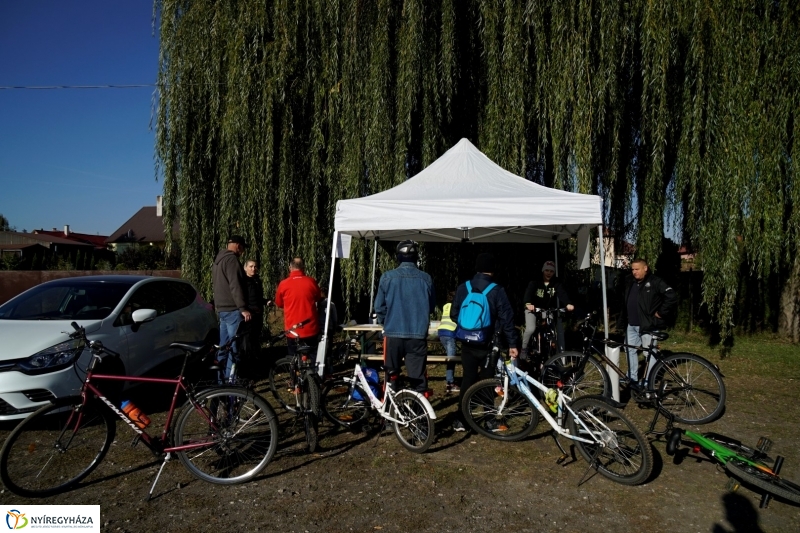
column 589, row 349
column 388, row 395
column 721, row 452
column 520, row 379
column 156, row 444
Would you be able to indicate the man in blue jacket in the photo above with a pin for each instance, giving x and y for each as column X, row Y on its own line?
column 473, row 355
column 404, row 302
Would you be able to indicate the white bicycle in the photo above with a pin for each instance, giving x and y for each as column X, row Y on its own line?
column 505, row 408
column 348, row 401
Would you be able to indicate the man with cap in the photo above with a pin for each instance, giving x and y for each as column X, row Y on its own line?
column 474, row 354
column 403, row 304
column 228, row 279
column 547, row 293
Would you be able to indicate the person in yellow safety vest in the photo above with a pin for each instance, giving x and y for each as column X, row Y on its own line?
column 447, row 336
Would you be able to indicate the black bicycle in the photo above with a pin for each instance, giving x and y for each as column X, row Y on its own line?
column 295, row 385
column 683, row 384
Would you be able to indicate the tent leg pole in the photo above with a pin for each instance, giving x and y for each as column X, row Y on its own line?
column 555, row 255
column 613, row 375
column 372, row 282
column 322, row 349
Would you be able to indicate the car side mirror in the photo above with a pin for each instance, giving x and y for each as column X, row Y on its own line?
column 143, row 315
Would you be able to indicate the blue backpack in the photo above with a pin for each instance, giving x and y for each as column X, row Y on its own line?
column 475, row 317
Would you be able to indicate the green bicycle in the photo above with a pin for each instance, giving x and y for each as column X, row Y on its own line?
column 746, row 465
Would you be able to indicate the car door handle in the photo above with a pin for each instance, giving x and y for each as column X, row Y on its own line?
column 169, row 328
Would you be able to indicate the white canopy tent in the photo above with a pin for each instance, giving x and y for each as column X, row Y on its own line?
column 465, row 196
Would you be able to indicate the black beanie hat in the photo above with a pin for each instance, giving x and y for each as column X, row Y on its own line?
column 484, row 263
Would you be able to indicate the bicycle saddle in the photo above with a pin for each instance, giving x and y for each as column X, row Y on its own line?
column 658, row 335
column 193, row 347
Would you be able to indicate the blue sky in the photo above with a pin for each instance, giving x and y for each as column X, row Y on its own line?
column 82, row 157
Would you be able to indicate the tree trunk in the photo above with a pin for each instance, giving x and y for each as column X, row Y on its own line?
column 789, row 320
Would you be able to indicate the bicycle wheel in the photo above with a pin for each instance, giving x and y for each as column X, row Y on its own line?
column 693, row 388
column 416, row 431
column 341, row 407
column 56, row 447
column 232, row 435
column 282, row 381
column 764, row 480
column 310, row 403
column 621, row 453
column 481, row 404
column 591, row 380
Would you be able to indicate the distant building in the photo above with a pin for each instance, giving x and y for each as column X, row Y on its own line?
column 97, row 241
column 146, row 227
column 27, row 244
column 688, row 257
column 615, row 256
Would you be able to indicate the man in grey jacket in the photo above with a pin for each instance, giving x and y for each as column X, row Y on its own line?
column 229, row 297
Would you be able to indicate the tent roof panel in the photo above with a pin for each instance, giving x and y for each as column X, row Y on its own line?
column 465, row 190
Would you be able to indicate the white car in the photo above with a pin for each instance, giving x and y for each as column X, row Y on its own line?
column 37, row 355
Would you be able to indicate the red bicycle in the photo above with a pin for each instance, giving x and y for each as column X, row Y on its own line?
column 223, row 435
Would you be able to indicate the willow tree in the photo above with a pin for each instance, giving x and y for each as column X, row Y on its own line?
column 270, row 111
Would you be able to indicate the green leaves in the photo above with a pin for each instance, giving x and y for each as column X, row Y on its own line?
column 269, row 112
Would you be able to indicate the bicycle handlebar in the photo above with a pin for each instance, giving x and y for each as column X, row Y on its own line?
column 554, row 310
column 96, row 346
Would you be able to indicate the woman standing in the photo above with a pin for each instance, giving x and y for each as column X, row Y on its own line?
column 254, row 293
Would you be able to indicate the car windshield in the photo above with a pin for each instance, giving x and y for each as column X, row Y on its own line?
column 71, row 299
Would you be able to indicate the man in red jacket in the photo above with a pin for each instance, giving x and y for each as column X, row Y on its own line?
column 298, row 295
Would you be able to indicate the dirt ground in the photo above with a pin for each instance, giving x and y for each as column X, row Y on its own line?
column 358, row 482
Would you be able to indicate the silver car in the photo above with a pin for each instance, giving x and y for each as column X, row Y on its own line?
column 37, row 355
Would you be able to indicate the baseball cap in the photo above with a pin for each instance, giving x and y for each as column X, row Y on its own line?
column 549, row 265
column 237, row 239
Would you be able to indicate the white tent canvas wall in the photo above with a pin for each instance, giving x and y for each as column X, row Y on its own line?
column 465, row 196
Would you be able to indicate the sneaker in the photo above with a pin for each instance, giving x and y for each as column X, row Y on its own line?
column 452, row 387
column 495, row 426
column 458, row 426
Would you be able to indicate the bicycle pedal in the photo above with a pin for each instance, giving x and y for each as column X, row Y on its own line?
column 764, row 445
column 732, row 485
column 562, row 458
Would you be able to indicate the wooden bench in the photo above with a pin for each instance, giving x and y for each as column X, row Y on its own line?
column 432, row 359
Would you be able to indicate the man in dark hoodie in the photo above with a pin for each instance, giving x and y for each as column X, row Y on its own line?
column 229, row 294
column 474, row 354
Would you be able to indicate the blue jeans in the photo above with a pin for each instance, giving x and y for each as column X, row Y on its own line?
column 636, row 339
column 449, row 344
column 228, row 326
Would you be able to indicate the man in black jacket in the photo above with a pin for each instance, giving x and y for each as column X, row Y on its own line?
column 547, row 293
column 647, row 302
column 473, row 355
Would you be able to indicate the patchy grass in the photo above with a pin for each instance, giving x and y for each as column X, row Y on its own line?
column 763, row 355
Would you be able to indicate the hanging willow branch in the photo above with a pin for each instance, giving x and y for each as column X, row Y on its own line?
column 270, row 111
